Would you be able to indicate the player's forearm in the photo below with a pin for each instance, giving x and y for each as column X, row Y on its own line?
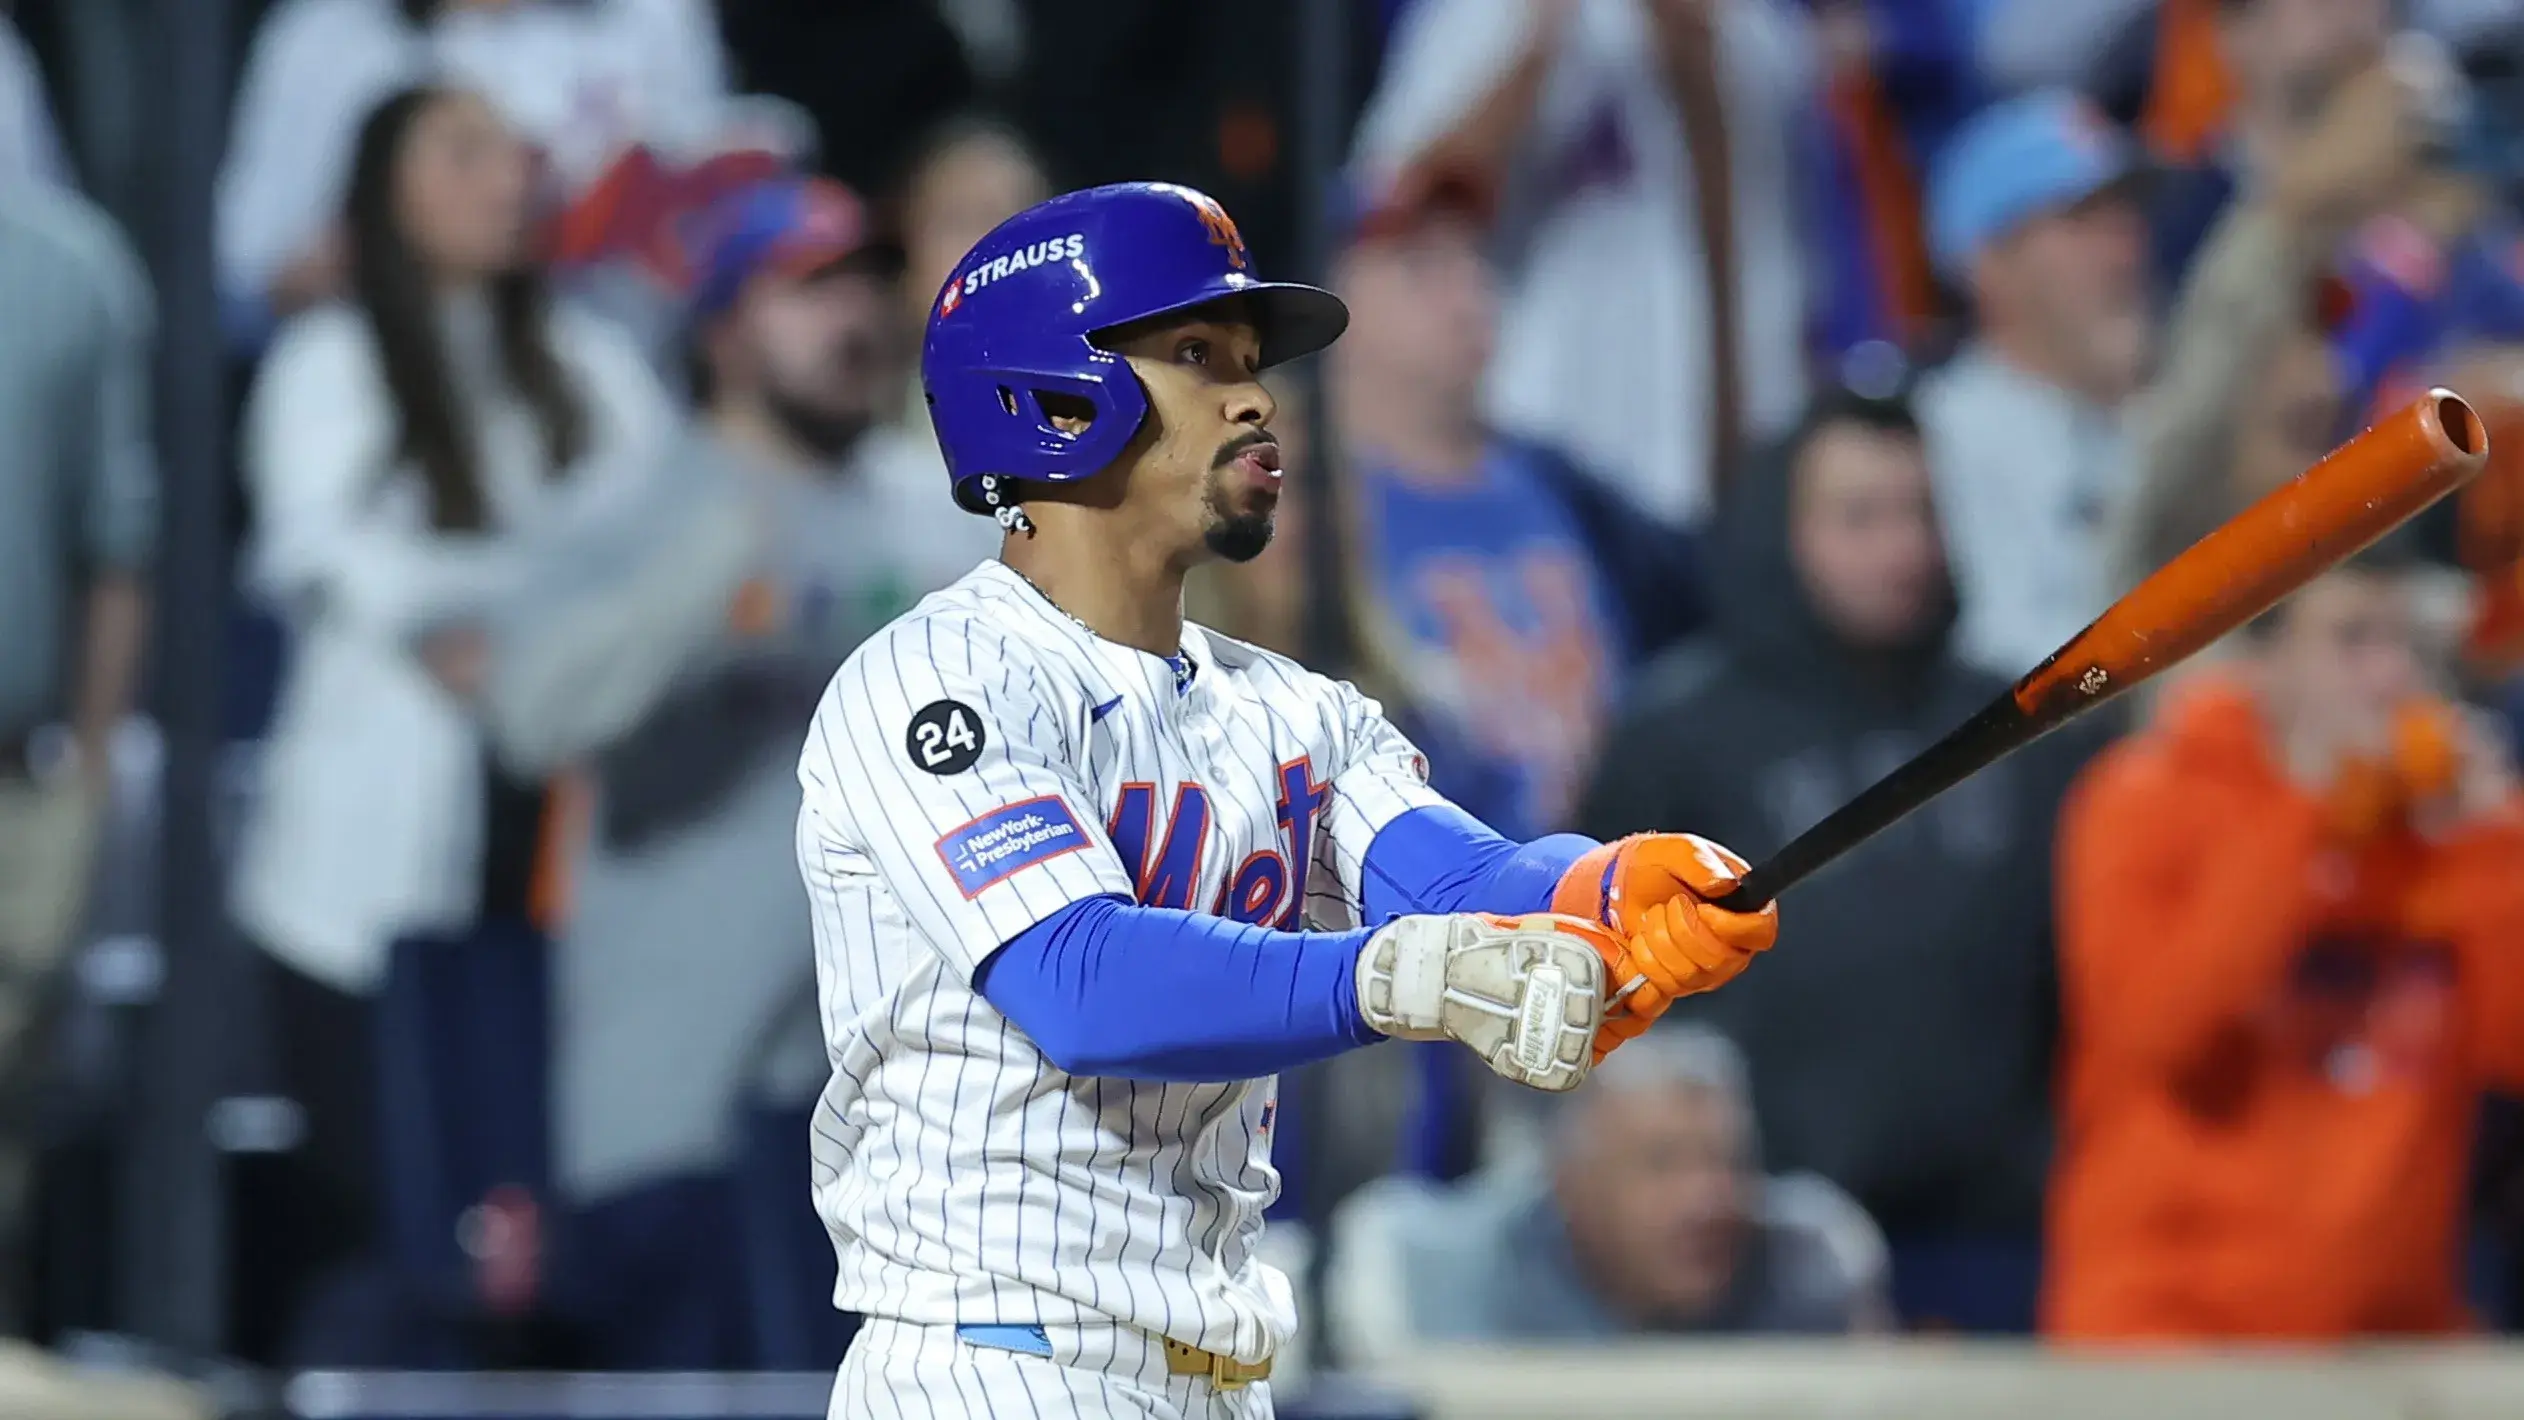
column 1105, row 988
column 1442, row 860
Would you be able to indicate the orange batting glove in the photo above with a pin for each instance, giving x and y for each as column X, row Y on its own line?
column 1654, row 891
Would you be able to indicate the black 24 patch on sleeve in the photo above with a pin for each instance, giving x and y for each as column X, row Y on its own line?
column 946, row 737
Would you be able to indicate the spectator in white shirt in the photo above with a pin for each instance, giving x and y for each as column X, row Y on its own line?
column 1648, row 156
column 580, row 81
column 2030, row 211
column 402, row 449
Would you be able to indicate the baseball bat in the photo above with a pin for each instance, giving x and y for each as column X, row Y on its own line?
column 2354, row 495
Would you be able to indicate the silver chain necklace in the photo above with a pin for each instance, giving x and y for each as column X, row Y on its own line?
column 1179, row 661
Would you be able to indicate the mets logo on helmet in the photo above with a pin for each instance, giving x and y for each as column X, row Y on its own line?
column 1221, row 227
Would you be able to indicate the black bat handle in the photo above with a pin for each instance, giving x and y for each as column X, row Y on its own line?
column 1997, row 729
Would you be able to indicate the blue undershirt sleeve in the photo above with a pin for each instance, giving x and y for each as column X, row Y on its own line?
column 1106, row 988
column 1441, row 859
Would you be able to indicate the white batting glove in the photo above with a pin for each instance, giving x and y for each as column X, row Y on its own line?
column 1525, row 993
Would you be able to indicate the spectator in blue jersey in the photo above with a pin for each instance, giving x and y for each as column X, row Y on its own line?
column 1904, row 1057
column 1499, row 593
column 1485, row 586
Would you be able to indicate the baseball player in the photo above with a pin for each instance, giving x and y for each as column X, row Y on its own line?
column 1087, row 877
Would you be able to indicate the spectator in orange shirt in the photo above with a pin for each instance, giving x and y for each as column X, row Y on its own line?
column 2292, row 937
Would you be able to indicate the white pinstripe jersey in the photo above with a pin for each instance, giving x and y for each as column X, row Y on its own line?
column 974, row 767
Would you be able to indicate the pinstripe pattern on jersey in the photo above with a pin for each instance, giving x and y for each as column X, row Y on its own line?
column 962, row 1176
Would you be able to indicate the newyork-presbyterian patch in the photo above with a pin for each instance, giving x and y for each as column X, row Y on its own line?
column 1006, row 841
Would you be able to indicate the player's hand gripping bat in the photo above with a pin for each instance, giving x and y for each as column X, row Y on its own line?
column 2357, row 493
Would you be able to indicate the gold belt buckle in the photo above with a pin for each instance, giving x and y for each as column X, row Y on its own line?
column 1224, row 1372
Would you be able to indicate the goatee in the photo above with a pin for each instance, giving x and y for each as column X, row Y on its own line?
column 1240, row 539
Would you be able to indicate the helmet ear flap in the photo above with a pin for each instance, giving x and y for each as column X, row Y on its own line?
column 1068, row 425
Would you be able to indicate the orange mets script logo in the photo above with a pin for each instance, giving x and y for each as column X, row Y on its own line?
column 1221, row 227
column 1223, row 233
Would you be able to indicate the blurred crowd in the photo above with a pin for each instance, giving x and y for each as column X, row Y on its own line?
column 1740, row 394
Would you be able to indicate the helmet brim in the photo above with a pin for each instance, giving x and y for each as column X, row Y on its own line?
column 1297, row 320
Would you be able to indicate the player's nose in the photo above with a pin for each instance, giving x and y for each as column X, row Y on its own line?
column 1251, row 404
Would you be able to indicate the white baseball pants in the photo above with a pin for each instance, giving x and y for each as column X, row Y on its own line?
column 902, row 1371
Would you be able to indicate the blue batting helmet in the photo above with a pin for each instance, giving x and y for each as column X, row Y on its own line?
column 1018, row 319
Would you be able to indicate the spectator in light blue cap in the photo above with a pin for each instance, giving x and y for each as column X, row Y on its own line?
column 2039, row 154
column 2031, row 212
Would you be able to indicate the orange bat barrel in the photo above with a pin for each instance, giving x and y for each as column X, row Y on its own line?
column 2356, row 494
